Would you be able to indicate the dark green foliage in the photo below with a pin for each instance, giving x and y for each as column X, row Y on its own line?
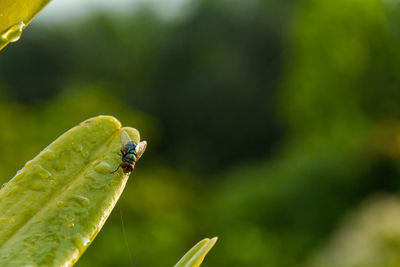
column 179, row 72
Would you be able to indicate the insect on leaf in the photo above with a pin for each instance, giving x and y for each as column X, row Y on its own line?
column 56, row 204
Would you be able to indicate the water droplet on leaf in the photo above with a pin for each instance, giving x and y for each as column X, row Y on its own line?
column 81, row 243
column 37, row 186
column 103, row 167
column 43, row 173
column 13, row 33
column 89, row 175
column 81, row 200
column 77, row 147
column 48, row 154
column 28, row 163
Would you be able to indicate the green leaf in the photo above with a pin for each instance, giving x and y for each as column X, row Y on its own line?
column 54, row 207
column 195, row 256
column 15, row 15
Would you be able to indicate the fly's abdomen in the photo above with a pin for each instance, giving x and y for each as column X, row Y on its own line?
column 130, row 157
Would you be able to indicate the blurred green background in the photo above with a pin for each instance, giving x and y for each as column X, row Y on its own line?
column 274, row 125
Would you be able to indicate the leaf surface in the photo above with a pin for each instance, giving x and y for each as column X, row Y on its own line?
column 15, row 15
column 53, row 208
column 195, row 256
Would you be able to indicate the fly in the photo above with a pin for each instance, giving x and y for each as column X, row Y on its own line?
column 131, row 152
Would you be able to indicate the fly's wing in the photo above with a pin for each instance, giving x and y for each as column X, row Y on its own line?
column 125, row 138
column 140, row 148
